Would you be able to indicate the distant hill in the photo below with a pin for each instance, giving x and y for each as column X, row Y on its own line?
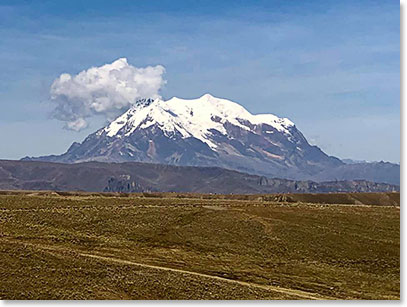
column 373, row 171
column 144, row 177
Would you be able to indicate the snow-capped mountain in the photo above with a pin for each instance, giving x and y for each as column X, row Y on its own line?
column 206, row 131
column 200, row 118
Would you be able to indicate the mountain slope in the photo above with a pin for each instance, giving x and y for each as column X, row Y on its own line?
column 207, row 131
column 144, row 177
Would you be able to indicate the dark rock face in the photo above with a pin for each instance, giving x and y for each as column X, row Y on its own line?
column 123, row 184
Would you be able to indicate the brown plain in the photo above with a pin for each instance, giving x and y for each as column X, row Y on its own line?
column 193, row 246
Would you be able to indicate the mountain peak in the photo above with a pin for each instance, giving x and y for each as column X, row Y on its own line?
column 205, row 131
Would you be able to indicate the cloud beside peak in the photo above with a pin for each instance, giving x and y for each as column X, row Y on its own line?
column 107, row 90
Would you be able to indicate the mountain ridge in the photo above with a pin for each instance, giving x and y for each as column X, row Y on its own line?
column 148, row 177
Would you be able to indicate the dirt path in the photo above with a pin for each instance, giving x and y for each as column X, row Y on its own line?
column 294, row 292
column 299, row 293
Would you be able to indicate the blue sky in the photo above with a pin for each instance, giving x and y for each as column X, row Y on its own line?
column 332, row 67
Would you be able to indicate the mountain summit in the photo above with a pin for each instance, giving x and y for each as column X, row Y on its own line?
column 206, row 131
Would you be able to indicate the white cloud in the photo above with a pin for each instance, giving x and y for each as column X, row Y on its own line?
column 107, row 90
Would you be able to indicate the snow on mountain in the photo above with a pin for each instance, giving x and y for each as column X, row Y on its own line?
column 192, row 118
